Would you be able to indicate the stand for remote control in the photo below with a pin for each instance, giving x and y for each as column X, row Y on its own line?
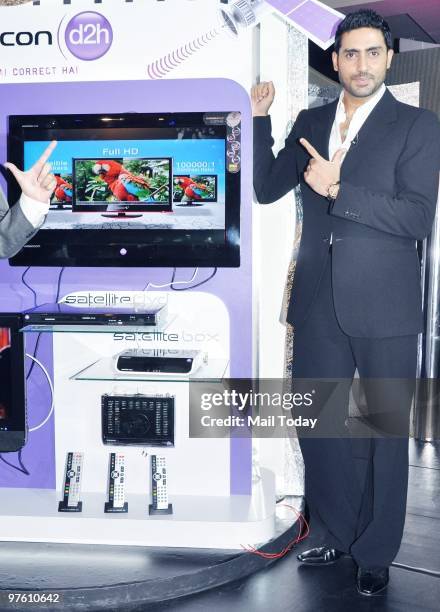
column 109, row 507
column 62, row 507
column 153, row 510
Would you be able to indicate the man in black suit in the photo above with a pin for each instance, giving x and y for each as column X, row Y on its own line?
column 368, row 167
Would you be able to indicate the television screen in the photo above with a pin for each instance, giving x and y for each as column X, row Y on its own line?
column 122, row 184
column 117, row 202
column 63, row 194
column 12, row 383
column 195, row 189
column 5, row 374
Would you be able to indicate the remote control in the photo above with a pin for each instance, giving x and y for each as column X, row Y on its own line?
column 72, row 484
column 116, row 486
column 159, row 486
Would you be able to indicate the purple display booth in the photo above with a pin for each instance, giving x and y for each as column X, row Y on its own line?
column 232, row 285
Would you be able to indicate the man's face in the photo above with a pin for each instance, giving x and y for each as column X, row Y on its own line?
column 362, row 61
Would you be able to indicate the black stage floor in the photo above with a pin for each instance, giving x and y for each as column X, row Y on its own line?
column 120, row 578
column 286, row 586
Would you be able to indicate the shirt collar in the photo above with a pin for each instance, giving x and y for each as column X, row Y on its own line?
column 363, row 110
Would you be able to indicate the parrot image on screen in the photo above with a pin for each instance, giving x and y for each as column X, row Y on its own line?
column 125, row 186
column 63, row 190
column 191, row 189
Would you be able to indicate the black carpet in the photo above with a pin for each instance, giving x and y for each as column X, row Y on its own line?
column 287, row 586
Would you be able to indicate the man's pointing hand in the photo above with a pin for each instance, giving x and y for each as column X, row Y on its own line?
column 320, row 172
column 38, row 182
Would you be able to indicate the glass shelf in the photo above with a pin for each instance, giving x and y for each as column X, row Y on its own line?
column 104, row 369
column 155, row 331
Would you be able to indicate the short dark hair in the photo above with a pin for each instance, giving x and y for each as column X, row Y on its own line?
column 364, row 18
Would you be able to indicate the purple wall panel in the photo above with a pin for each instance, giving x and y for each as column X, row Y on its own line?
column 233, row 286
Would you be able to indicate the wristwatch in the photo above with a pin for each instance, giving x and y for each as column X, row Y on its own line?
column 332, row 191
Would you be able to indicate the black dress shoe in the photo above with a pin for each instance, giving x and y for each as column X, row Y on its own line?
column 370, row 582
column 320, row 556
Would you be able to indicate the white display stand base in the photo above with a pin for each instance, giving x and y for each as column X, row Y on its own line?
column 197, row 522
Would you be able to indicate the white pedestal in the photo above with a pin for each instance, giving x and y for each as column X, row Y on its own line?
column 197, row 521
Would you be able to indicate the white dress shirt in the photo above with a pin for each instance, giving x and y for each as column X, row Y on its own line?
column 360, row 115
column 33, row 210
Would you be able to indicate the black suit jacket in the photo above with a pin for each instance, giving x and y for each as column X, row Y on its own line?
column 386, row 202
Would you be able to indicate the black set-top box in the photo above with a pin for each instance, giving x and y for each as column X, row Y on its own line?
column 64, row 314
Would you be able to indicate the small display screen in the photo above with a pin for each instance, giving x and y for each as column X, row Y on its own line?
column 195, row 188
column 63, row 195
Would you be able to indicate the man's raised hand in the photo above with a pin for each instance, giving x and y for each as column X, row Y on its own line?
column 320, row 172
column 262, row 96
column 38, row 182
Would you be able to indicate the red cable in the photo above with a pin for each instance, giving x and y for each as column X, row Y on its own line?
column 290, row 545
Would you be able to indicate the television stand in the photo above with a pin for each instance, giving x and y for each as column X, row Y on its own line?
column 190, row 203
column 121, row 215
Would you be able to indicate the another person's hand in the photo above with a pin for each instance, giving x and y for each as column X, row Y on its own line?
column 38, row 182
column 262, row 96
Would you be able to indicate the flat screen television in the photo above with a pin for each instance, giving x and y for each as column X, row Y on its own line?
column 62, row 196
column 195, row 189
column 115, row 202
column 119, row 185
column 12, row 384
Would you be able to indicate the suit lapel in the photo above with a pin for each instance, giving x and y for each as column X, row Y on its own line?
column 321, row 131
column 377, row 125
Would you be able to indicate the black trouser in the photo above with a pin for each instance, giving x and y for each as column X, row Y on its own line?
column 355, row 487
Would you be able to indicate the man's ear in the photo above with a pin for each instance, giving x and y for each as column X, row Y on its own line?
column 390, row 55
column 335, row 61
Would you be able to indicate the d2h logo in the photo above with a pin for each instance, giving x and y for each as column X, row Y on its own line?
column 88, row 35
